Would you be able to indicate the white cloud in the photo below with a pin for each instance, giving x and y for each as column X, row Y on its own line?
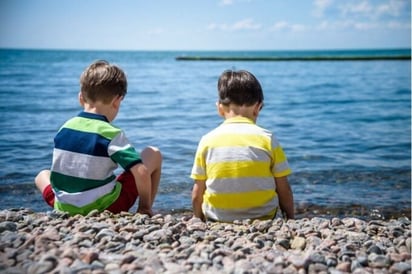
column 347, row 24
column 360, row 15
column 365, row 9
column 285, row 26
column 362, row 7
column 298, row 27
column 225, row 2
column 323, row 25
column 367, row 15
column 392, row 8
column 231, row 2
column 320, row 7
column 212, row 26
column 398, row 25
column 246, row 24
column 362, row 25
column 281, row 25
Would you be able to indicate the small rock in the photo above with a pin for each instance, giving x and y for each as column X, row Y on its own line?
column 401, row 267
column 374, row 249
column 7, row 226
column 298, row 243
column 378, row 261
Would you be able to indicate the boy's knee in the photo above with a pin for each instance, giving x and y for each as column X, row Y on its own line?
column 157, row 152
column 154, row 152
column 154, row 149
column 42, row 179
column 42, row 175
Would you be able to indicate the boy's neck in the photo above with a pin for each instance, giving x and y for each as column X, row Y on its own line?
column 233, row 111
column 109, row 110
column 100, row 109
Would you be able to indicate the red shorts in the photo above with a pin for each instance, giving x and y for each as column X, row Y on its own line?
column 126, row 200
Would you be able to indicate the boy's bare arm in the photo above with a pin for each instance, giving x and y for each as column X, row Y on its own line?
column 197, row 198
column 144, row 188
column 285, row 196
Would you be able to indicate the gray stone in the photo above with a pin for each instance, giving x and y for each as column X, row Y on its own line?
column 299, row 261
column 7, row 226
column 283, row 243
column 401, row 267
column 317, row 257
column 106, row 232
column 378, row 261
column 374, row 249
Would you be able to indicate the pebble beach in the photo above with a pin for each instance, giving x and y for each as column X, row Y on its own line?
column 53, row 242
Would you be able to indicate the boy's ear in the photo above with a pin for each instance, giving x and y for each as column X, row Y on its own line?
column 220, row 109
column 81, row 99
column 257, row 109
column 116, row 101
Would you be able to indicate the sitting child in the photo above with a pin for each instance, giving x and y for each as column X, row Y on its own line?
column 240, row 169
column 88, row 149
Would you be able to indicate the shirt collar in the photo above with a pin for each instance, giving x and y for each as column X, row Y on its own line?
column 238, row 119
column 93, row 116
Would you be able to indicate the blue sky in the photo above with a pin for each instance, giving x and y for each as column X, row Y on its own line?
column 205, row 24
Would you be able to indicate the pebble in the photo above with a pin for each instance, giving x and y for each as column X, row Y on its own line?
column 53, row 242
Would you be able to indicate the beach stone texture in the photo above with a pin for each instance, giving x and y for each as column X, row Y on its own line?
column 53, row 242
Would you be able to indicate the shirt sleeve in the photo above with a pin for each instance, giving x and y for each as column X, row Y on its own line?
column 122, row 152
column 199, row 164
column 280, row 166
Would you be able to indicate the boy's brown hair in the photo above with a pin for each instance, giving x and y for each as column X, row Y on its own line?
column 102, row 81
column 239, row 88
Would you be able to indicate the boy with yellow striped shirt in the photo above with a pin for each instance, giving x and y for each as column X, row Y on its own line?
column 240, row 169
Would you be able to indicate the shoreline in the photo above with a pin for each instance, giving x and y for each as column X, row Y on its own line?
column 33, row 242
column 366, row 210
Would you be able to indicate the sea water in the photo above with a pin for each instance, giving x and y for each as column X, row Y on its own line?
column 345, row 126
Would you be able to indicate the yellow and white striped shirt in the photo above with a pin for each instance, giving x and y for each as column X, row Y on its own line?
column 239, row 161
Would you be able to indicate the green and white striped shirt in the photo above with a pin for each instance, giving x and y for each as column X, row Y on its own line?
column 88, row 149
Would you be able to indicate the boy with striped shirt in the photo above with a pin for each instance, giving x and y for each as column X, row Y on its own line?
column 240, row 170
column 88, row 149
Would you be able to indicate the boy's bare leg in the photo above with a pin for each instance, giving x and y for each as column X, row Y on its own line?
column 152, row 159
column 42, row 180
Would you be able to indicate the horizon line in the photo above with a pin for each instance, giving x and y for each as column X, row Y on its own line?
column 203, row 50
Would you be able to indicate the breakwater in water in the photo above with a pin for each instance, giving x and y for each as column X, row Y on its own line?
column 293, row 58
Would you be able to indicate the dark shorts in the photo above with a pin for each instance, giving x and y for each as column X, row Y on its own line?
column 126, row 200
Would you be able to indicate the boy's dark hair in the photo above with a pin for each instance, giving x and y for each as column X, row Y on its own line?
column 102, row 81
column 239, row 88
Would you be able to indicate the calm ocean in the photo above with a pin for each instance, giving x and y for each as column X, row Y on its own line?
column 344, row 125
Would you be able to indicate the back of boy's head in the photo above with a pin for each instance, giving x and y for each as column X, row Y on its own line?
column 102, row 81
column 239, row 88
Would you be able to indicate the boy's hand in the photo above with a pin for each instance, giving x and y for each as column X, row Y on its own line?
column 285, row 197
column 145, row 211
column 197, row 198
column 144, row 188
